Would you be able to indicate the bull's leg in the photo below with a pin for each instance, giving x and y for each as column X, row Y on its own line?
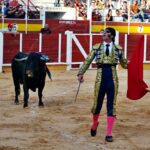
column 17, row 92
column 40, row 97
column 26, row 97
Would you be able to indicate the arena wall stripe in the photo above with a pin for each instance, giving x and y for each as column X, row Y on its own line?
column 79, row 26
column 124, row 29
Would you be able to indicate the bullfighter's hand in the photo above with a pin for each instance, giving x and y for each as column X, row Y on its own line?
column 80, row 78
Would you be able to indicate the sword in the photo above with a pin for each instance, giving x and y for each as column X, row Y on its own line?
column 77, row 91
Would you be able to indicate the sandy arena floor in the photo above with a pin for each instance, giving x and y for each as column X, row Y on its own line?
column 64, row 124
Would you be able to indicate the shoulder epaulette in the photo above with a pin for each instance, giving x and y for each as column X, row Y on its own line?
column 96, row 46
column 118, row 46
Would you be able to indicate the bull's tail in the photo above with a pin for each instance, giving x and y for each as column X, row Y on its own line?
column 48, row 73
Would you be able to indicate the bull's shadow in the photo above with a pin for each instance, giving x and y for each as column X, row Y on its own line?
column 29, row 70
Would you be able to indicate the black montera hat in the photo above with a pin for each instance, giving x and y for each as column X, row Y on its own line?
column 112, row 31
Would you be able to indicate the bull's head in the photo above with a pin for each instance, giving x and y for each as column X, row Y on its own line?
column 35, row 65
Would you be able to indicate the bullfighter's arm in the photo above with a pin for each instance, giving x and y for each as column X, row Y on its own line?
column 86, row 63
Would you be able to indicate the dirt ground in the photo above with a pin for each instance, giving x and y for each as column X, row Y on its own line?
column 64, row 124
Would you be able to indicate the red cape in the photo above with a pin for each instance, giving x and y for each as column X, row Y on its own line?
column 136, row 86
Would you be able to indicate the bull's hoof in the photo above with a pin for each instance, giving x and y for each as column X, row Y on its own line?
column 25, row 105
column 41, row 105
column 16, row 102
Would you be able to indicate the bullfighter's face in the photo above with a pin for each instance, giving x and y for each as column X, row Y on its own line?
column 107, row 35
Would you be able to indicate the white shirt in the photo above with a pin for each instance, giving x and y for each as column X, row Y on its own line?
column 118, row 18
column 110, row 46
column 6, row 30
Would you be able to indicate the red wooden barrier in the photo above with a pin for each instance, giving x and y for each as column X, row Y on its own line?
column 50, row 45
column 11, row 47
column 148, row 48
column 30, row 42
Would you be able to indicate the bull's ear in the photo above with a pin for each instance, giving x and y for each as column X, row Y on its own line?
column 44, row 58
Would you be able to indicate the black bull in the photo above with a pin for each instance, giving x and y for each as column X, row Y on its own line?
column 29, row 70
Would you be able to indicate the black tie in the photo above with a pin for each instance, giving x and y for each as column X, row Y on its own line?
column 107, row 49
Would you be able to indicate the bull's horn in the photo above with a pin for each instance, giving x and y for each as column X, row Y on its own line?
column 45, row 58
column 21, row 59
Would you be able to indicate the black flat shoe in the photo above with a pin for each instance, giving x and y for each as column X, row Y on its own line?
column 109, row 138
column 93, row 132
